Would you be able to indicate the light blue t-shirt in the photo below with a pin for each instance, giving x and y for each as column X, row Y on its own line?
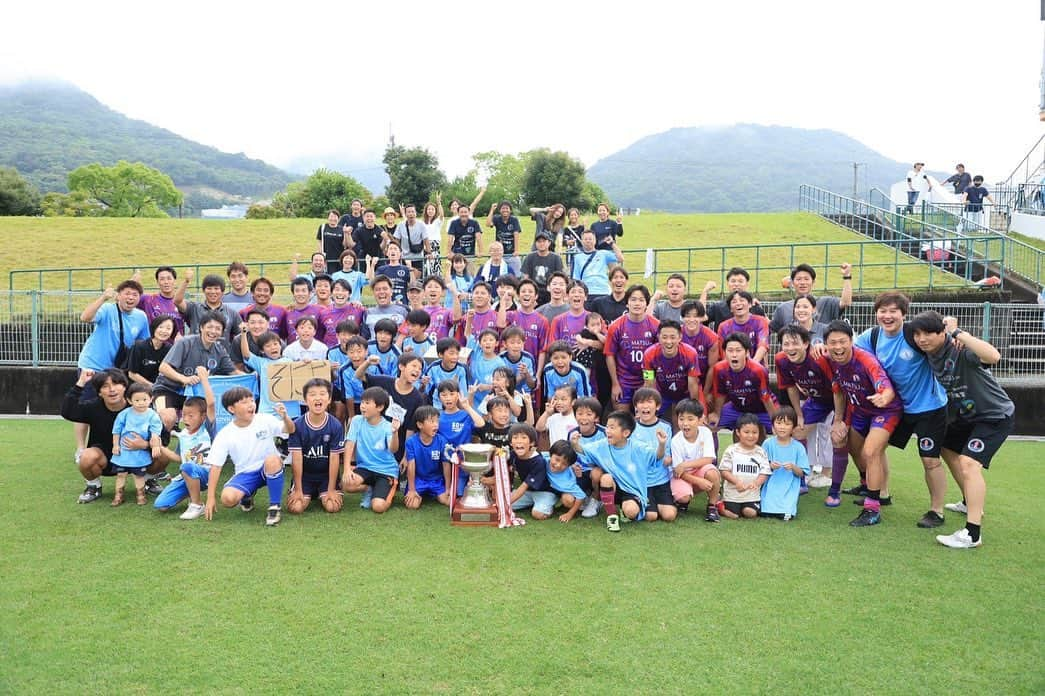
column 373, row 444
column 144, row 425
column 908, row 370
column 436, row 373
column 482, row 372
column 593, row 270
column 565, row 481
column 389, row 365
column 356, row 280
column 99, row 351
column 259, row 364
column 647, row 435
column 780, row 491
column 628, row 465
column 582, row 458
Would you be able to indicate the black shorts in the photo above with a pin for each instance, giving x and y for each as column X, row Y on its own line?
column 930, row 427
column 380, row 484
column 316, row 486
column 660, row 494
column 584, row 481
column 173, row 399
column 738, row 508
column 621, row 496
column 338, row 396
column 979, row 441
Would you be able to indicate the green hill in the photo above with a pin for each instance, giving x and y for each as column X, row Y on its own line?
column 48, row 129
column 741, row 168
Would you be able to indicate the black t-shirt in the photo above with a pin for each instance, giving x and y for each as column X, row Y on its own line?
column 353, row 222
column 490, row 434
column 606, row 233
column 532, row 471
column 333, row 240
column 608, row 308
column 539, row 268
column 463, row 236
column 95, row 414
column 571, row 236
column 410, row 403
column 145, row 360
column 505, row 232
column 975, row 196
column 368, row 242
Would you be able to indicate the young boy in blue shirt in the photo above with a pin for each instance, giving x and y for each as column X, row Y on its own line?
column 789, row 462
column 428, row 461
column 372, row 441
column 415, row 334
column 194, row 438
column 588, row 411
column 563, row 479
column 315, row 451
column 447, row 367
column 383, row 346
column 351, row 385
column 459, row 418
column 137, row 419
column 562, row 370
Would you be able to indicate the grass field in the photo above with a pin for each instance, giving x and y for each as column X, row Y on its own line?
column 133, row 601
column 736, row 240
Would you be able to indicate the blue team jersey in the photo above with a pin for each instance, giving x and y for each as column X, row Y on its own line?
column 317, row 444
column 389, row 365
column 908, row 370
column 565, row 481
column 575, row 376
column 582, row 458
column 628, row 465
column 780, row 491
column 482, row 372
column 419, row 348
column 350, row 385
column 356, row 281
column 372, row 446
column 647, row 435
column 456, row 427
column 428, row 459
column 524, row 358
column 436, row 373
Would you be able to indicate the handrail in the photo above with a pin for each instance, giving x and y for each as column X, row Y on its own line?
column 1026, row 158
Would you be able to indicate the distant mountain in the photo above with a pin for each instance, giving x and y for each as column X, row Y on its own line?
column 49, row 129
column 741, row 168
column 369, row 172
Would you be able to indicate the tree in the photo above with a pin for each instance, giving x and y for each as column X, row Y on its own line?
column 413, row 173
column 126, row 189
column 74, row 204
column 324, row 190
column 591, row 196
column 17, row 196
column 553, row 177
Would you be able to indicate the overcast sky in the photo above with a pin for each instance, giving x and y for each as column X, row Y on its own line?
column 933, row 81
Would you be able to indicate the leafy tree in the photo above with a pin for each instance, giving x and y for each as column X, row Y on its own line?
column 591, row 195
column 413, row 173
column 75, row 204
column 553, row 177
column 260, row 211
column 17, row 196
column 324, row 190
column 504, row 176
column 126, row 189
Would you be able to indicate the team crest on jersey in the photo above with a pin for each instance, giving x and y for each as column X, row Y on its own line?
column 879, row 419
column 379, row 446
column 907, row 354
column 747, row 382
column 260, row 435
column 948, row 364
column 967, row 406
column 326, row 438
column 975, row 445
column 926, row 444
column 812, row 374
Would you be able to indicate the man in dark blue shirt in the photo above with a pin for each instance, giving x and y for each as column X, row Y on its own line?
column 961, row 180
column 466, row 234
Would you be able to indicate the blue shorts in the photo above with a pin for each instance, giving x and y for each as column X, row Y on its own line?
column 816, row 411
column 540, row 501
column 730, row 415
column 430, row 487
column 248, row 481
column 177, row 491
column 862, row 421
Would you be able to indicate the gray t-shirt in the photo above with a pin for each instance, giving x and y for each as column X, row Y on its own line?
column 663, row 310
column 828, row 309
column 973, row 392
column 412, row 239
column 194, row 312
column 539, row 268
column 237, row 302
column 188, row 354
column 549, row 311
column 396, row 313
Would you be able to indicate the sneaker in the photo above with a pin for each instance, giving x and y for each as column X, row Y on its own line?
column 246, row 504
column 591, row 508
column 860, row 490
column 959, row 540
column 612, row 523
column 881, row 501
column 192, row 512
column 786, row 517
column 832, row 501
column 153, row 487
column 367, row 497
column 164, row 476
column 930, row 520
column 90, row 494
column 866, row 518
column 682, row 507
column 273, row 517
column 957, row 507
column 712, row 514
column 819, row 481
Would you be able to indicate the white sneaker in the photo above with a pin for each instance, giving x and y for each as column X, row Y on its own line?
column 959, row 540
column 818, row 481
column 591, row 507
column 192, row 512
column 957, row 507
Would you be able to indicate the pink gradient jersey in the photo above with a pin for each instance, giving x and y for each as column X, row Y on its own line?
column 627, row 341
column 812, row 377
column 702, row 341
column 330, row 317
column 747, row 390
column 536, row 328
column 756, row 328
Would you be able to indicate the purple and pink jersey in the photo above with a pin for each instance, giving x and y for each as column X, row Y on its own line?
column 277, row 315
column 159, row 306
column 811, row 377
column 566, row 327
column 480, row 322
column 331, row 316
column 627, row 341
column 534, row 325
column 756, row 328
column 442, row 318
column 862, row 377
column 292, row 315
column 747, row 390
column 702, row 342
column 671, row 374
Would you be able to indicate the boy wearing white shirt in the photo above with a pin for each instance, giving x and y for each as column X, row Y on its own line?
column 693, row 459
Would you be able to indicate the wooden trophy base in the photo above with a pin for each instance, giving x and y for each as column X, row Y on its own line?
column 473, row 517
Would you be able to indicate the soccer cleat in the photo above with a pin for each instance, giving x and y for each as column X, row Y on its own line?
column 856, row 490
column 959, row 540
column 164, row 476
column 866, row 518
column 930, row 520
column 612, row 523
column 192, row 512
column 367, row 497
column 90, row 494
column 881, row 501
column 273, row 517
column 712, row 514
column 832, row 501
column 153, row 487
column 591, row 507
column 957, row 507
column 246, row 503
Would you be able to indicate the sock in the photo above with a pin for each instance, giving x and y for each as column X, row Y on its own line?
column 607, row 501
column 963, row 501
column 839, row 464
column 974, row 530
column 275, row 486
column 871, row 501
column 94, row 482
column 863, row 480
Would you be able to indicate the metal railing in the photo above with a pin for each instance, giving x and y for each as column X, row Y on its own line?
column 1027, row 197
column 1030, row 166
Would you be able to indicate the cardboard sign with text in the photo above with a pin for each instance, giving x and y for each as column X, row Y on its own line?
column 287, row 378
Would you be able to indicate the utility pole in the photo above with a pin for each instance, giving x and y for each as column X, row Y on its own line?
column 857, row 165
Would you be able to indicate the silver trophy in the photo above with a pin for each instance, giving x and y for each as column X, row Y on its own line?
column 476, row 461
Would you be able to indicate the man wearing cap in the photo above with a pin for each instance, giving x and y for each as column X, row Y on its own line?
column 917, row 183
column 368, row 239
column 540, row 264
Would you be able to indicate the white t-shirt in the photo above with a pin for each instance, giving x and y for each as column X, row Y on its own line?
column 248, row 446
column 559, row 427
column 746, row 466
column 682, row 450
column 434, row 229
column 317, row 350
column 918, row 180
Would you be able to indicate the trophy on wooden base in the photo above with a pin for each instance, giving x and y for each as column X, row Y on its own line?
column 475, row 507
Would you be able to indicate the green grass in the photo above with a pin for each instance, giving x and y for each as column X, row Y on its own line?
column 134, row 601
column 735, row 240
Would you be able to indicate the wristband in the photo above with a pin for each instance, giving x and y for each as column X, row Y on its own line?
column 848, row 277
column 956, row 333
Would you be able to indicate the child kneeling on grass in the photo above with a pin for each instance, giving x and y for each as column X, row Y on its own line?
column 693, row 458
column 563, row 479
column 137, row 419
column 315, row 451
column 428, row 460
column 745, row 467
column 194, row 438
column 789, row 463
column 373, row 441
column 534, row 490
column 249, row 441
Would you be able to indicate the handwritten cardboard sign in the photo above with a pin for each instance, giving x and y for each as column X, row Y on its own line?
column 287, row 378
